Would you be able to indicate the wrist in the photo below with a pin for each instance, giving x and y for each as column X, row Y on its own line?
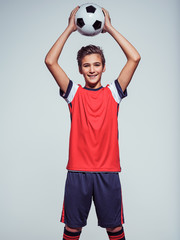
column 110, row 29
column 70, row 29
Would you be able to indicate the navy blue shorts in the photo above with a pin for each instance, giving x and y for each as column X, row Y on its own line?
column 83, row 187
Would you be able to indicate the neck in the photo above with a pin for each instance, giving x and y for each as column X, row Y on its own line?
column 93, row 86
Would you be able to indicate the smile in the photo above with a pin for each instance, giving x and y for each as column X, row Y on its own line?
column 92, row 76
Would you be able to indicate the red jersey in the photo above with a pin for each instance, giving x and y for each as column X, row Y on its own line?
column 93, row 143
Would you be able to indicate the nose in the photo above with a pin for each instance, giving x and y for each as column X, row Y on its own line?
column 91, row 70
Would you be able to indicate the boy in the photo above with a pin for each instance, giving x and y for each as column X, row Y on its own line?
column 93, row 163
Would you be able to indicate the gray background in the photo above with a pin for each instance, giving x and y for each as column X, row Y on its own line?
column 35, row 121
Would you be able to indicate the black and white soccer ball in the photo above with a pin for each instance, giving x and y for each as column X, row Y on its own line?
column 89, row 19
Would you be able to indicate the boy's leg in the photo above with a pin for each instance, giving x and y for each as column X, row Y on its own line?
column 71, row 233
column 108, row 203
column 116, row 233
column 77, row 203
column 73, row 229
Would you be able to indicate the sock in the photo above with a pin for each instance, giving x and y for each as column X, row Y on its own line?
column 117, row 235
column 71, row 235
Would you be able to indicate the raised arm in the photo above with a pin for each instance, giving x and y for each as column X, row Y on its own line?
column 51, row 59
column 131, row 53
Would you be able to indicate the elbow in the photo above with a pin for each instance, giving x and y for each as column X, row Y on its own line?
column 48, row 61
column 137, row 58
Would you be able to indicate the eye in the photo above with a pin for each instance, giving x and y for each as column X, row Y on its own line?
column 86, row 65
column 97, row 64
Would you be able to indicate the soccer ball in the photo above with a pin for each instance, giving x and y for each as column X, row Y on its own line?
column 89, row 19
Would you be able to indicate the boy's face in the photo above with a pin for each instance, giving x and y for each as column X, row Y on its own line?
column 92, row 70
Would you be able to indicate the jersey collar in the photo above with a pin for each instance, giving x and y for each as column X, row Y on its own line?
column 93, row 89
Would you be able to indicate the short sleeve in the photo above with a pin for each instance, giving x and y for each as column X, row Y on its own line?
column 117, row 91
column 70, row 92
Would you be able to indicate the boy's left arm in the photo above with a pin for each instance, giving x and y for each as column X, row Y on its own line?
column 131, row 53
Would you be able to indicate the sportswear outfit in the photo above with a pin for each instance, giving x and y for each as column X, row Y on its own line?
column 94, row 161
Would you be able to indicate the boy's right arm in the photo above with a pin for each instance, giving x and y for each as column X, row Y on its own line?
column 52, row 56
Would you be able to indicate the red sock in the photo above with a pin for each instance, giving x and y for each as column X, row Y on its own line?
column 71, row 235
column 117, row 235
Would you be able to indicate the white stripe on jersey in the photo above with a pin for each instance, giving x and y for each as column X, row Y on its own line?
column 72, row 92
column 114, row 92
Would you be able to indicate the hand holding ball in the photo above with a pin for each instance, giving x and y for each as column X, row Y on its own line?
column 89, row 19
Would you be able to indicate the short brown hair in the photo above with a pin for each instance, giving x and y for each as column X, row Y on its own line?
column 90, row 49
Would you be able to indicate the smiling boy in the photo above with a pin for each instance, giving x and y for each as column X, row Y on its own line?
column 93, row 163
column 92, row 69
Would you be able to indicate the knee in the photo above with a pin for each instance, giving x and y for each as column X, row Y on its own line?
column 74, row 230
column 115, row 229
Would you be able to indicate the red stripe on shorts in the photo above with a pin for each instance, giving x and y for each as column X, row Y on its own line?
column 62, row 215
column 122, row 216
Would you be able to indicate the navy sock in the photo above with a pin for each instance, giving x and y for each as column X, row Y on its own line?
column 71, row 235
column 117, row 235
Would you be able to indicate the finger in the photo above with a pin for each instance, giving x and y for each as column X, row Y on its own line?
column 73, row 12
column 105, row 11
column 75, row 9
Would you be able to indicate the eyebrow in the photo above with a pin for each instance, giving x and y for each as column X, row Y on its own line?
column 92, row 63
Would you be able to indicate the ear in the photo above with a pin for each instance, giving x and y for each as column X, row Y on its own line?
column 104, row 69
column 80, row 71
